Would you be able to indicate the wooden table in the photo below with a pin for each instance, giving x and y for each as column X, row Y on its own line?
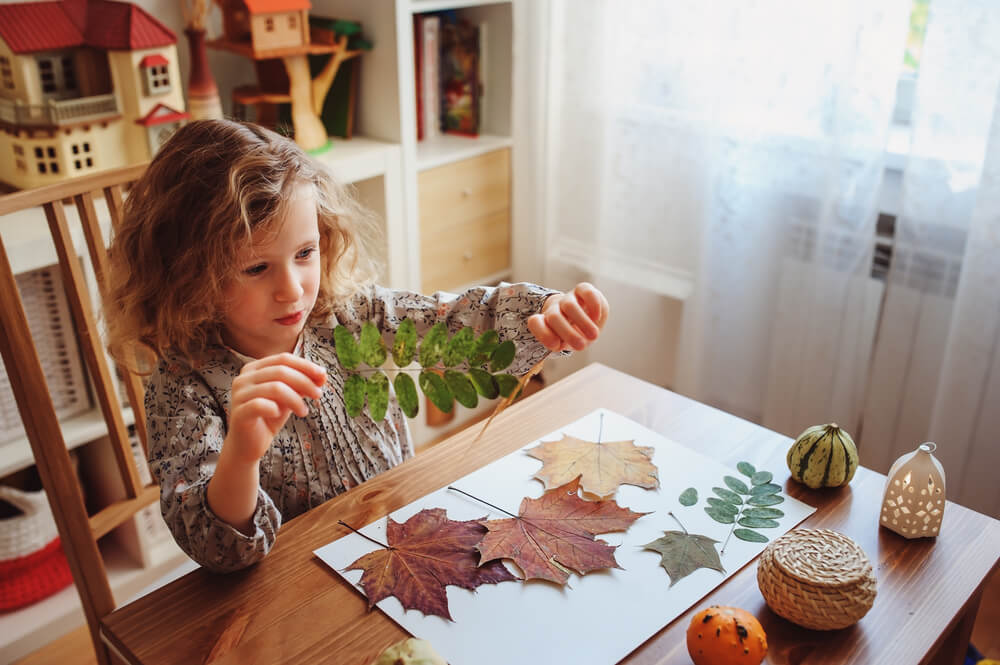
column 291, row 608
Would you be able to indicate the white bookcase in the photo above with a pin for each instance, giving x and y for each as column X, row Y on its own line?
column 384, row 162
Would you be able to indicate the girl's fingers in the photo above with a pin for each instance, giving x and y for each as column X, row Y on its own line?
column 538, row 328
column 557, row 322
column 572, row 310
column 260, row 407
column 279, row 393
column 296, row 380
column 594, row 302
column 316, row 373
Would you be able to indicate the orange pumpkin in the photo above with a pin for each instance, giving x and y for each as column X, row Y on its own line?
column 721, row 635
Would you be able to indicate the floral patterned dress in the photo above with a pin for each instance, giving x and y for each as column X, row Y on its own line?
column 315, row 457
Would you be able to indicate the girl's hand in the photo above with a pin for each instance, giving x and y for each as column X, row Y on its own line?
column 570, row 320
column 264, row 394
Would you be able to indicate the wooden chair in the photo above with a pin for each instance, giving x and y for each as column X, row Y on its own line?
column 78, row 530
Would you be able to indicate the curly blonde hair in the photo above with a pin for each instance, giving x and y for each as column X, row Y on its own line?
column 211, row 186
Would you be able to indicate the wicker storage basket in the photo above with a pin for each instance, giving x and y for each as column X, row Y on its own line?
column 32, row 563
column 817, row 578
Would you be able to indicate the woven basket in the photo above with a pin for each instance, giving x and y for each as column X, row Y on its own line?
column 32, row 563
column 817, row 578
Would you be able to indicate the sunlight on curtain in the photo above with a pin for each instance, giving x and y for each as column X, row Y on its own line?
column 935, row 373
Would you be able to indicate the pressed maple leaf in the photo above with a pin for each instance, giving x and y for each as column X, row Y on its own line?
column 426, row 553
column 683, row 553
column 602, row 467
column 554, row 534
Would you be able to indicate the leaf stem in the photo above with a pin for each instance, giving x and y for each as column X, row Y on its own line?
column 481, row 501
column 671, row 513
column 343, row 523
column 600, row 429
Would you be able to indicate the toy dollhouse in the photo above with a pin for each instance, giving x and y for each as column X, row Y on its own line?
column 277, row 36
column 85, row 85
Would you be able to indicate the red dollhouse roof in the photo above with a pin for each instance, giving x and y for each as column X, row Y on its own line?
column 271, row 6
column 160, row 114
column 42, row 26
column 153, row 60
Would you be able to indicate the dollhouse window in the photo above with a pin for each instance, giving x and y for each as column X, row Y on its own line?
column 81, row 156
column 46, row 159
column 156, row 76
column 6, row 73
column 269, row 24
column 292, row 23
column 48, row 76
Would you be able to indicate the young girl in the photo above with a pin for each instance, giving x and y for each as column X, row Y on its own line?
column 236, row 258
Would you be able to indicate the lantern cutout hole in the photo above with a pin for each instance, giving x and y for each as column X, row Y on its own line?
column 914, row 498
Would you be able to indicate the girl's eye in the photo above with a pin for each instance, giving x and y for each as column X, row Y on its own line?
column 306, row 253
column 255, row 270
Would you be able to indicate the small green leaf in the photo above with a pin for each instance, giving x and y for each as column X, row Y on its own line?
column 765, row 489
column 436, row 390
column 346, row 347
column 757, row 522
column 689, row 497
column 766, row 500
column 354, row 395
column 749, row 536
column 720, row 516
column 462, row 388
column 731, row 497
column 378, row 395
column 488, row 341
column 746, row 468
column 406, row 394
column 736, row 485
column 484, row 383
column 763, row 513
column 723, row 506
column 404, row 347
column 459, row 347
column 432, row 347
column 502, row 356
column 372, row 346
column 506, row 383
column 761, row 477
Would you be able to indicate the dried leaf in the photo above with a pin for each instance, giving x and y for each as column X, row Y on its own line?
column 683, row 553
column 602, row 467
column 425, row 554
column 372, row 346
column 554, row 534
column 406, row 394
column 404, row 346
column 377, row 389
column 346, row 347
column 459, row 347
column 689, row 497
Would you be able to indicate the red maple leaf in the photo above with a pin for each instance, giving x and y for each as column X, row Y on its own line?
column 426, row 553
column 554, row 534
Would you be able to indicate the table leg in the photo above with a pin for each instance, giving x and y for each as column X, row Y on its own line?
column 953, row 647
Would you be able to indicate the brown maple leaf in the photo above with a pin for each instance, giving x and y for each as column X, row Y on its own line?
column 602, row 467
column 554, row 534
column 426, row 553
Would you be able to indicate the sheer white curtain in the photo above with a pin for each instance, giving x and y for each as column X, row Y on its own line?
column 733, row 156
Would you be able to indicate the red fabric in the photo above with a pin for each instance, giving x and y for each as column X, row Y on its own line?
column 30, row 578
column 153, row 60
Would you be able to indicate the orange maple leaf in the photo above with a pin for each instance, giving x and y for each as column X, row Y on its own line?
column 602, row 467
column 554, row 534
column 426, row 553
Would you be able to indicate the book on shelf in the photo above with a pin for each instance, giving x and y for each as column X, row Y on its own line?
column 428, row 53
column 460, row 77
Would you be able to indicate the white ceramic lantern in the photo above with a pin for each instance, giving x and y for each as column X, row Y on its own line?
column 913, row 503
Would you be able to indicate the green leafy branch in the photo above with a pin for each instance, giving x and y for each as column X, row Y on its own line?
column 737, row 503
column 486, row 357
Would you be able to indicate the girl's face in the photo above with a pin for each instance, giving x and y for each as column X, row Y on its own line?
column 267, row 303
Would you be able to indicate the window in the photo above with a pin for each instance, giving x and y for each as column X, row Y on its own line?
column 155, row 74
column 48, row 76
column 46, row 159
column 269, row 24
column 292, row 22
column 82, row 158
column 58, row 75
column 6, row 73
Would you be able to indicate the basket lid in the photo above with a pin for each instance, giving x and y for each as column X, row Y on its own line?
column 821, row 557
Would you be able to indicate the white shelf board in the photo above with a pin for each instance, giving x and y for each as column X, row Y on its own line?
column 448, row 148
column 420, row 6
column 16, row 454
column 358, row 158
column 30, row 628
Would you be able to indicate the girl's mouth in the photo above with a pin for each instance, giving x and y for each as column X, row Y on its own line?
column 291, row 319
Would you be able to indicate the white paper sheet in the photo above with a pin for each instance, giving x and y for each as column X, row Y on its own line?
column 599, row 617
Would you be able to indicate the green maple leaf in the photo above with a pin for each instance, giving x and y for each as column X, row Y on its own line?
column 683, row 553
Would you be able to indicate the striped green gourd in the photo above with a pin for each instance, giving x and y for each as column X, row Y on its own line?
column 823, row 456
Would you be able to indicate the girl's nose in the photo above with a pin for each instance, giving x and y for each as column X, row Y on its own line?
column 289, row 287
